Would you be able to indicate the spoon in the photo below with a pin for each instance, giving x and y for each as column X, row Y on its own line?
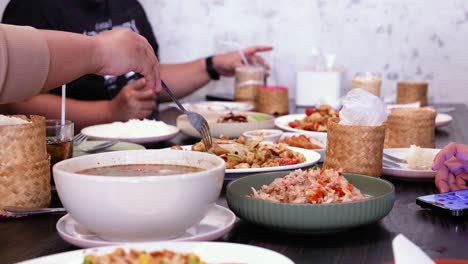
column 23, row 211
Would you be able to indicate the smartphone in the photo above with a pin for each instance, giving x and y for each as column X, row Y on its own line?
column 453, row 203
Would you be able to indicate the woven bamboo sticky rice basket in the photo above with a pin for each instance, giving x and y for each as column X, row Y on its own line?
column 24, row 164
column 410, row 126
column 411, row 92
column 273, row 100
column 355, row 149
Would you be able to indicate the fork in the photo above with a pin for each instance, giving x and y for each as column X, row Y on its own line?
column 195, row 119
column 101, row 146
column 393, row 158
column 78, row 139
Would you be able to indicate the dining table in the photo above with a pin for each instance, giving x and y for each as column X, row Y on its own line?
column 441, row 236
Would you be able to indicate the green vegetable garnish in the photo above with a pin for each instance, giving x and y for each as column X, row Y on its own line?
column 257, row 118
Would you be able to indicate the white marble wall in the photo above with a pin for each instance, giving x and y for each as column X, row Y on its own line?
column 417, row 39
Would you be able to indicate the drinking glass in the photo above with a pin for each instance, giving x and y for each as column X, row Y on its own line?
column 59, row 140
column 369, row 81
column 248, row 80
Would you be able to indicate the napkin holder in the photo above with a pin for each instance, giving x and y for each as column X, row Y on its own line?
column 355, row 149
column 410, row 126
column 318, row 86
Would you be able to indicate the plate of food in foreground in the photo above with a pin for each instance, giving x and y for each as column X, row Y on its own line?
column 410, row 163
column 168, row 252
column 254, row 155
column 310, row 201
column 231, row 124
column 317, row 142
column 134, row 130
column 313, row 121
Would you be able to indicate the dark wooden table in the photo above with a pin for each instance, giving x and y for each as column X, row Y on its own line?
column 442, row 237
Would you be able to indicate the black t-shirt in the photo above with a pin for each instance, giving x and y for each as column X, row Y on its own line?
column 85, row 17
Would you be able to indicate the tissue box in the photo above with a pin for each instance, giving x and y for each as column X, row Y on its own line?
column 318, row 86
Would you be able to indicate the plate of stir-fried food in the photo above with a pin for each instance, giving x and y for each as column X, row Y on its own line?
column 314, row 120
column 310, row 201
column 167, row 253
column 316, row 142
column 255, row 155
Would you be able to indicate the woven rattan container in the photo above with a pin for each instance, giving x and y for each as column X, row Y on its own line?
column 411, row 92
column 410, row 126
column 273, row 100
column 25, row 142
column 355, row 149
column 24, row 164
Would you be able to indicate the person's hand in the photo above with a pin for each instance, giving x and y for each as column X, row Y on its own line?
column 120, row 51
column 451, row 164
column 135, row 100
column 225, row 64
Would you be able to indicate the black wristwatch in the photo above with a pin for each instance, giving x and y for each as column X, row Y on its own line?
column 214, row 75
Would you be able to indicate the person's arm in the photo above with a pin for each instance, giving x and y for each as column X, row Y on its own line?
column 185, row 78
column 32, row 60
column 112, row 52
column 82, row 113
column 133, row 101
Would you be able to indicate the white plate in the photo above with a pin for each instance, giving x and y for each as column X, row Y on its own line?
column 218, row 106
column 443, row 120
column 95, row 132
column 311, row 157
column 117, row 147
column 217, row 222
column 211, row 252
column 282, row 123
column 407, row 173
column 320, row 136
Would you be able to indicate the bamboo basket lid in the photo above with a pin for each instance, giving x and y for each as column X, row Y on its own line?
column 23, row 142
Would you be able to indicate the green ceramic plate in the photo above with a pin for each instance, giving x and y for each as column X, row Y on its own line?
column 308, row 218
column 119, row 146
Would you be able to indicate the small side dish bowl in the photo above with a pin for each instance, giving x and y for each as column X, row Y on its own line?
column 272, row 135
column 311, row 218
column 139, row 208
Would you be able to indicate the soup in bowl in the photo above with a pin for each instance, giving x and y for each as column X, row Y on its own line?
column 139, row 195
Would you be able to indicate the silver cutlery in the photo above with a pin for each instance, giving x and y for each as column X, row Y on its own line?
column 21, row 211
column 78, row 139
column 391, row 164
column 98, row 147
column 393, row 158
column 195, row 119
